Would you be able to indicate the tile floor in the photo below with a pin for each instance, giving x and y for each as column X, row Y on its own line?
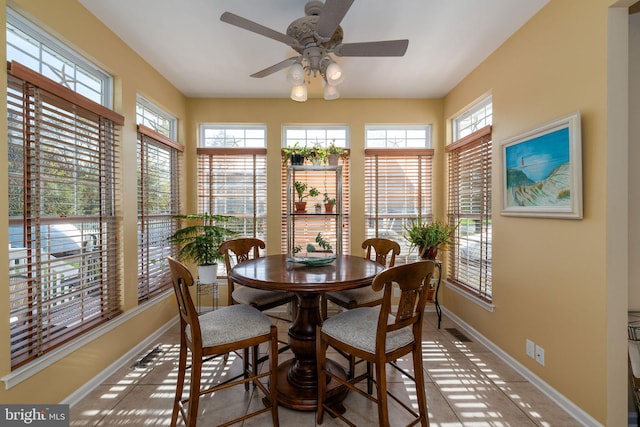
column 466, row 385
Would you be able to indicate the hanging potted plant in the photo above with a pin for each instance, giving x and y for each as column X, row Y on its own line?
column 199, row 242
column 329, row 203
column 429, row 237
column 301, row 187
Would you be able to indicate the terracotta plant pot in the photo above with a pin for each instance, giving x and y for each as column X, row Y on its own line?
column 328, row 207
column 301, row 206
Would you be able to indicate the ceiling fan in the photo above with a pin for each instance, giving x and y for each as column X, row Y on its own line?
column 315, row 36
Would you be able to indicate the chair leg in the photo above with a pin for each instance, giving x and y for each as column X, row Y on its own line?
column 369, row 379
column 323, row 307
column 418, row 374
column 321, row 357
column 381, row 389
column 255, row 359
column 182, row 366
column 273, row 386
column 194, row 389
column 245, row 366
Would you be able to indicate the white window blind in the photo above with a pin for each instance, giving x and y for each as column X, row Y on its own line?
column 64, row 265
column 470, row 207
column 232, row 177
column 159, row 160
column 398, row 181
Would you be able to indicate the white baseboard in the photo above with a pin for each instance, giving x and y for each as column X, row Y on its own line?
column 575, row 411
column 88, row 387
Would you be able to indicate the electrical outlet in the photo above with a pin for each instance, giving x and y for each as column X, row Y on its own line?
column 540, row 355
column 531, row 349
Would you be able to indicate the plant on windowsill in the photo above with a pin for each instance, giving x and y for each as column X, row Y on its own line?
column 199, row 242
column 317, row 154
column 335, row 153
column 294, row 155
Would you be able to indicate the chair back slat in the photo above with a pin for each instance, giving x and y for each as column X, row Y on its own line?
column 182, row 279
column 383, row 251
column 411, row 280
column 236, row 251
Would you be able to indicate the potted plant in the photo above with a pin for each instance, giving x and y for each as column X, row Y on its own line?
column 199, row 242
column 329, row 203
column 317, row 154
column 293, row 154
column 301, row 187
column 334, row 153
column 429, row 237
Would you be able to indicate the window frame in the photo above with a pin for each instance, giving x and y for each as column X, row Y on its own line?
column 419, row 162
column 470, row 189
column 154, row 276
column 59, row 123
column 48, row 42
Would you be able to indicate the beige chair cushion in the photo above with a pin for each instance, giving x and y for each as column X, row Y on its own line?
column 249, row 296
column 357, row 327
column 230, row 324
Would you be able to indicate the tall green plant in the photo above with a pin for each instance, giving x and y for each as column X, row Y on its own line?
column 199, row 242
column 424, row 236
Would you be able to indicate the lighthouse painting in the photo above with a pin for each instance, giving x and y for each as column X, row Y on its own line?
column 542, row 171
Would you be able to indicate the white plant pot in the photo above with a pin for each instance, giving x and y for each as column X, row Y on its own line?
column 207, row 274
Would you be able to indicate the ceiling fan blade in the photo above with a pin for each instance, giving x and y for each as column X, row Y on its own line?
column 381, row 48
column 330, row 17
column 241, row 22
column 276, row 67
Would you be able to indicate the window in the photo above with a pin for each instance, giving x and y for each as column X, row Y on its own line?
column 232, row 176
column 64, row 270
column 398, row 182
column 469, row 160
column 34, row 48
column 308, row 136
column 475, row 118
column 154, row 118
column 159, row 161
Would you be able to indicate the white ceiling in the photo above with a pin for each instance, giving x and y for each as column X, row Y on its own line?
column 204, row 57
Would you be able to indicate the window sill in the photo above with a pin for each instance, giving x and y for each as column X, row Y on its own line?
column 474, row 299
column 23, row 373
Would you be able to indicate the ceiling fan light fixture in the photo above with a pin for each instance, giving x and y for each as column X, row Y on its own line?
column 299, row 93
column 331, row 92
column 334, row 74
column 295, row 75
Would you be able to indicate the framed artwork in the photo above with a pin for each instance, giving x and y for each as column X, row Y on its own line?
column 542, row 171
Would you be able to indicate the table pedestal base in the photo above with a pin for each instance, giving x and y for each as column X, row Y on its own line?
column 306, row 399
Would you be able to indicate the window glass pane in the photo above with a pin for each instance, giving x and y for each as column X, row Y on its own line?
column 477, row 117
column 34, row 48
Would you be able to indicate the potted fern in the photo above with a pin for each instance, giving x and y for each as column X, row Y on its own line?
column 200, row 240
column 429, row 237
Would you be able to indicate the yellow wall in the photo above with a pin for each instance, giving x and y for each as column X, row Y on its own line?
column 550, row 275
column 81, row 30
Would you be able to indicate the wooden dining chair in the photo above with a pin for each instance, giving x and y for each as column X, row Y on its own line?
column 379, row 337
column 216, row 333
column 383, row 251
column 242, row 249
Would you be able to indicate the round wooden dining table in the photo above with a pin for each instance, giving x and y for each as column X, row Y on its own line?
column 298, row 377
